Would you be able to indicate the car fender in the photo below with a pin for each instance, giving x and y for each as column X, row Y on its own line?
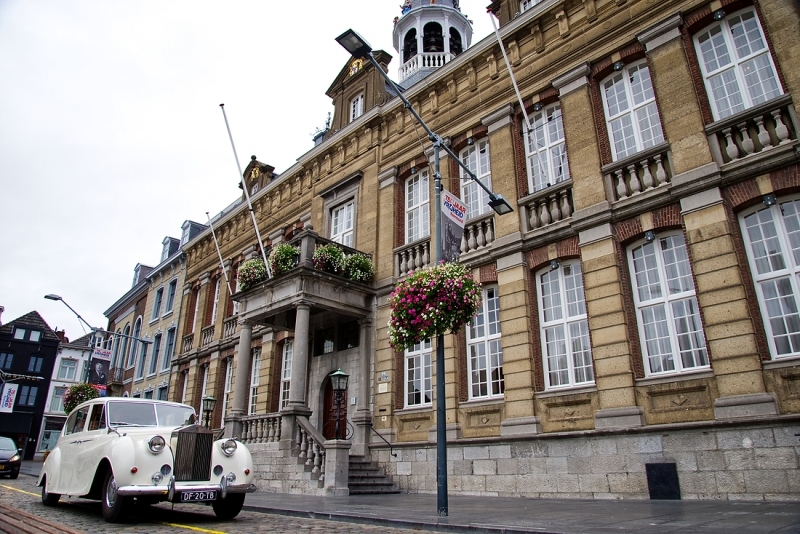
column 122, row 456
column 237, row 464
column 50, row 470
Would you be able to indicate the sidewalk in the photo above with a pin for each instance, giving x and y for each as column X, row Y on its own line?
column 516, row 515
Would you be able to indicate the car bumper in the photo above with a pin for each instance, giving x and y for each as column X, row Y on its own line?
column 174, row 489
column 9, row 469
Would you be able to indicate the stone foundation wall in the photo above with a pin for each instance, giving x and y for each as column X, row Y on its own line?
column 278, row 472
column 715, row 461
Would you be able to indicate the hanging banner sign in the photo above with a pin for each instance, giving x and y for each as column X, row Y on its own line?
column 8, row 398
column 454, row 213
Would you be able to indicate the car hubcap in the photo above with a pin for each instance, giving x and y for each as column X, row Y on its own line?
column 111, row 492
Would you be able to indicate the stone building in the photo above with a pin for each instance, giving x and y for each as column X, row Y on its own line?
column 640, row 304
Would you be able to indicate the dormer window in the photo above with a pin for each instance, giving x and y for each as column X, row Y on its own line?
column 165, row 249
column 185, row 233
column 136, row 273
column 527, row 4
column 357, row 107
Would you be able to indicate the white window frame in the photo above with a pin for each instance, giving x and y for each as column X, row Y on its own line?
column 185, row 387
column 165, row 389
column 546, row 149
column 196, row 310
column 343, row 223
column 564, row 327
column 203, row 388
column 172, row 291
column 236, row 285
column 478, row 160
column 137, row 330
column 19, row 333
column 286, row 372
column 169, row 348
column 255, row 371
column 57, row 401
column 35, row 336
column 419, row 375
column 227, row 388
column 418, row 206
column 736, row 67
column 140, row 362
column 648, row 302
column 356, row 106
column 635, row 112
column 485, row 349
column 216, row 301
column 525, row 5
column 68, row 365
column 157, row 304
column 776, row 273
column 155, row 355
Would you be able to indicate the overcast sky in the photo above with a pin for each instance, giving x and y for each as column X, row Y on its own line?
column 111, row 133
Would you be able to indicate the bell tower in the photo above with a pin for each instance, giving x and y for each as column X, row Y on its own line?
column 428, row 34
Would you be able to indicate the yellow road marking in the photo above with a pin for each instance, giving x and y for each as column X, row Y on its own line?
column 19, row 490
column 196, row 529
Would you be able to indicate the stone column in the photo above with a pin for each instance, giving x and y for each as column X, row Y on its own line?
column 297, row 387
column 502, row 161
column 241, row 383
column 362, row 419
column 337, row 467
column 729, row 332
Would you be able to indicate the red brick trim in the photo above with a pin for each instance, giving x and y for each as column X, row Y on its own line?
column 460, row 141
column 786, row 180
column 400, row 382
column 488, row 274
column 400, row 213
column 760, row 333
column 629, row 310
column 742, row 195
column 535, row 331
column 462, row 381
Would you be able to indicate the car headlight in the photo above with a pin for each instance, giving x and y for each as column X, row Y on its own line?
column 156, row 444
column 15, row 458
column 229, row 447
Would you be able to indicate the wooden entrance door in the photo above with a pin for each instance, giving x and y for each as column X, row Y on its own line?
column 329, row 414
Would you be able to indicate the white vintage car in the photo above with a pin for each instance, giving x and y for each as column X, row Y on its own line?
column 122, row 450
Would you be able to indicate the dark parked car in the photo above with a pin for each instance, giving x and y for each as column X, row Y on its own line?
column 10, row 458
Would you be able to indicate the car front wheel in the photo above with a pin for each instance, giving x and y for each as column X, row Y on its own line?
column 49, row 499
column 114, row 505
column 229, row 507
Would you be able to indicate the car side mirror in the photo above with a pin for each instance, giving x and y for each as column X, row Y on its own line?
column 19, row 451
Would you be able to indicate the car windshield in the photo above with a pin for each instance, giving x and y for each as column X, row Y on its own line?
column 148, row 414
column 7, row 444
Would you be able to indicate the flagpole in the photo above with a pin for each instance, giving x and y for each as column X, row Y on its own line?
column 246, row 194
column 219, row 253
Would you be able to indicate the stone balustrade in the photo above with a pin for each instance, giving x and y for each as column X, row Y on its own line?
column 547, row 206
column 641, row 172
column 188, row 343
column 425, row 60
column 230, row 327
column 309, row 442
column 478, row 233
column 261, row 428
column 753, row 131
column 207, row 336
column 413, row 256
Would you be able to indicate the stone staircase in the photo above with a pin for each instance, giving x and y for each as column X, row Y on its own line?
column 365, row 477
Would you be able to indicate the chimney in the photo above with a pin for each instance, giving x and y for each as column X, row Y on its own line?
column 61, row 335
column 2, row 309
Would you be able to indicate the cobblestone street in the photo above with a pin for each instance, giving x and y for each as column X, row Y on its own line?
column 22, row 494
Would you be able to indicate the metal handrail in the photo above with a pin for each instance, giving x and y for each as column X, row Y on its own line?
column 391, row 451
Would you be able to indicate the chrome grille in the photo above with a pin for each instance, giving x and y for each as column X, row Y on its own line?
column 192, row 446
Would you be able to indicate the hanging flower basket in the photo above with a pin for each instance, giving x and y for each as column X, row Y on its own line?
column 430, row 302
column 251, row 273
column 329, row 258
column 77, row 394
column 283, row 258
column 359, row 268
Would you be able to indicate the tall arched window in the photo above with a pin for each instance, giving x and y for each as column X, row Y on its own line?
column 410, row 45
column 432, row 40
column 125, row 343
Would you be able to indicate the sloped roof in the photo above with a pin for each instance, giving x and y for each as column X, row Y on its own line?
column 34, row 320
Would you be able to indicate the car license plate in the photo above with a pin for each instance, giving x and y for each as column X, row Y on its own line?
column 198, row 496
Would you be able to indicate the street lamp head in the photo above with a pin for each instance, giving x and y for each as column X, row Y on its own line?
column 50, row 296
column 354, row 43
column 209, row 403
column 339, row 380
column 499, row 204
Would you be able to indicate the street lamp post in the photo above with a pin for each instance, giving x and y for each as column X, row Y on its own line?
column 339, row 385
column 358, row 47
